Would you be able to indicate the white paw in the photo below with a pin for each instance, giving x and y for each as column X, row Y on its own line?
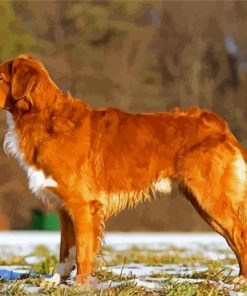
column 54, row 281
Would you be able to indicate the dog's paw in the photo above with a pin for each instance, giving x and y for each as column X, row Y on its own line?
column 81, row 279
column 240, row 280
column 54, row 281
column 92, row 281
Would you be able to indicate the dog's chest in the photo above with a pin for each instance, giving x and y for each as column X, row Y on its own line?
column 37, row 181
column 38, row 184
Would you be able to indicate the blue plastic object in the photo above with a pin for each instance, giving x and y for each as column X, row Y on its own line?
column 9, row 275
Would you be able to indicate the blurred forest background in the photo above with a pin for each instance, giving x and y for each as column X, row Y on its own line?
column 138, row 56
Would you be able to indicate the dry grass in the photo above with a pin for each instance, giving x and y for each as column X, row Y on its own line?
column 171, row 283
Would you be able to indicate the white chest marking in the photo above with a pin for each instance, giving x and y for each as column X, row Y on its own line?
column 37, row 181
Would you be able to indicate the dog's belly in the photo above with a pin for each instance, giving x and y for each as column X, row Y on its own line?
column 115, row 202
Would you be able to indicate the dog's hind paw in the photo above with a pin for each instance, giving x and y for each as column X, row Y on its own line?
column 240, row 280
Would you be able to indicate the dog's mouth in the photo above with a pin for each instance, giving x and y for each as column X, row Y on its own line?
column 4, row 93
column 4, row 102
column 9, row 104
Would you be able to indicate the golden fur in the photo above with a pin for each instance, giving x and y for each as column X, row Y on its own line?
column 99, row 162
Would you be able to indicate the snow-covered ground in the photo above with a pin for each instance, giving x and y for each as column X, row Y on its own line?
column 208, row 245
column 23, row 241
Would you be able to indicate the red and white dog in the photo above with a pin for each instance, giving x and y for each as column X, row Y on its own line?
column 94, row 163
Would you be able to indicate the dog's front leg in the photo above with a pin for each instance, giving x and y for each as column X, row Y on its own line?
column 84, row 237
column 67, row 258
column 67, row 246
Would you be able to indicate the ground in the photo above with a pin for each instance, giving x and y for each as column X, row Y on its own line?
column 130, row 264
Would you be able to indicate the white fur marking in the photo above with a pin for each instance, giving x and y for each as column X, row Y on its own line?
column 37, row 180
column 240, row 169
column 65, row 268
column 163, row 185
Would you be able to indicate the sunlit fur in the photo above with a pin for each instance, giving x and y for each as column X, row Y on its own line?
column 98, row 162
column 37, row 180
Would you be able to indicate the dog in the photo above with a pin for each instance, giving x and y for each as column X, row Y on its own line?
column 94, row 163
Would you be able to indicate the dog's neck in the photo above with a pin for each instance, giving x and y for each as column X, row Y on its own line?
column 49, row 104
column 59, row 115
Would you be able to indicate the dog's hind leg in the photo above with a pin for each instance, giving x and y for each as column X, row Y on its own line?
column 214, row 180
column 97, row 210
column 209, row 218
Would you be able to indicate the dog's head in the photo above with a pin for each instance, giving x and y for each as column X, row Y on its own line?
column 20, row 79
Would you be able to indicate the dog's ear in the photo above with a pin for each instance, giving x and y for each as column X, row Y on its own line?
column 24, row 80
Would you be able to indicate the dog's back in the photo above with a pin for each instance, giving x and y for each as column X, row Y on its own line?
column 97, row 162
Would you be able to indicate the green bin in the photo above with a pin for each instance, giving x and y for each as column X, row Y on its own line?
column 45, row 221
